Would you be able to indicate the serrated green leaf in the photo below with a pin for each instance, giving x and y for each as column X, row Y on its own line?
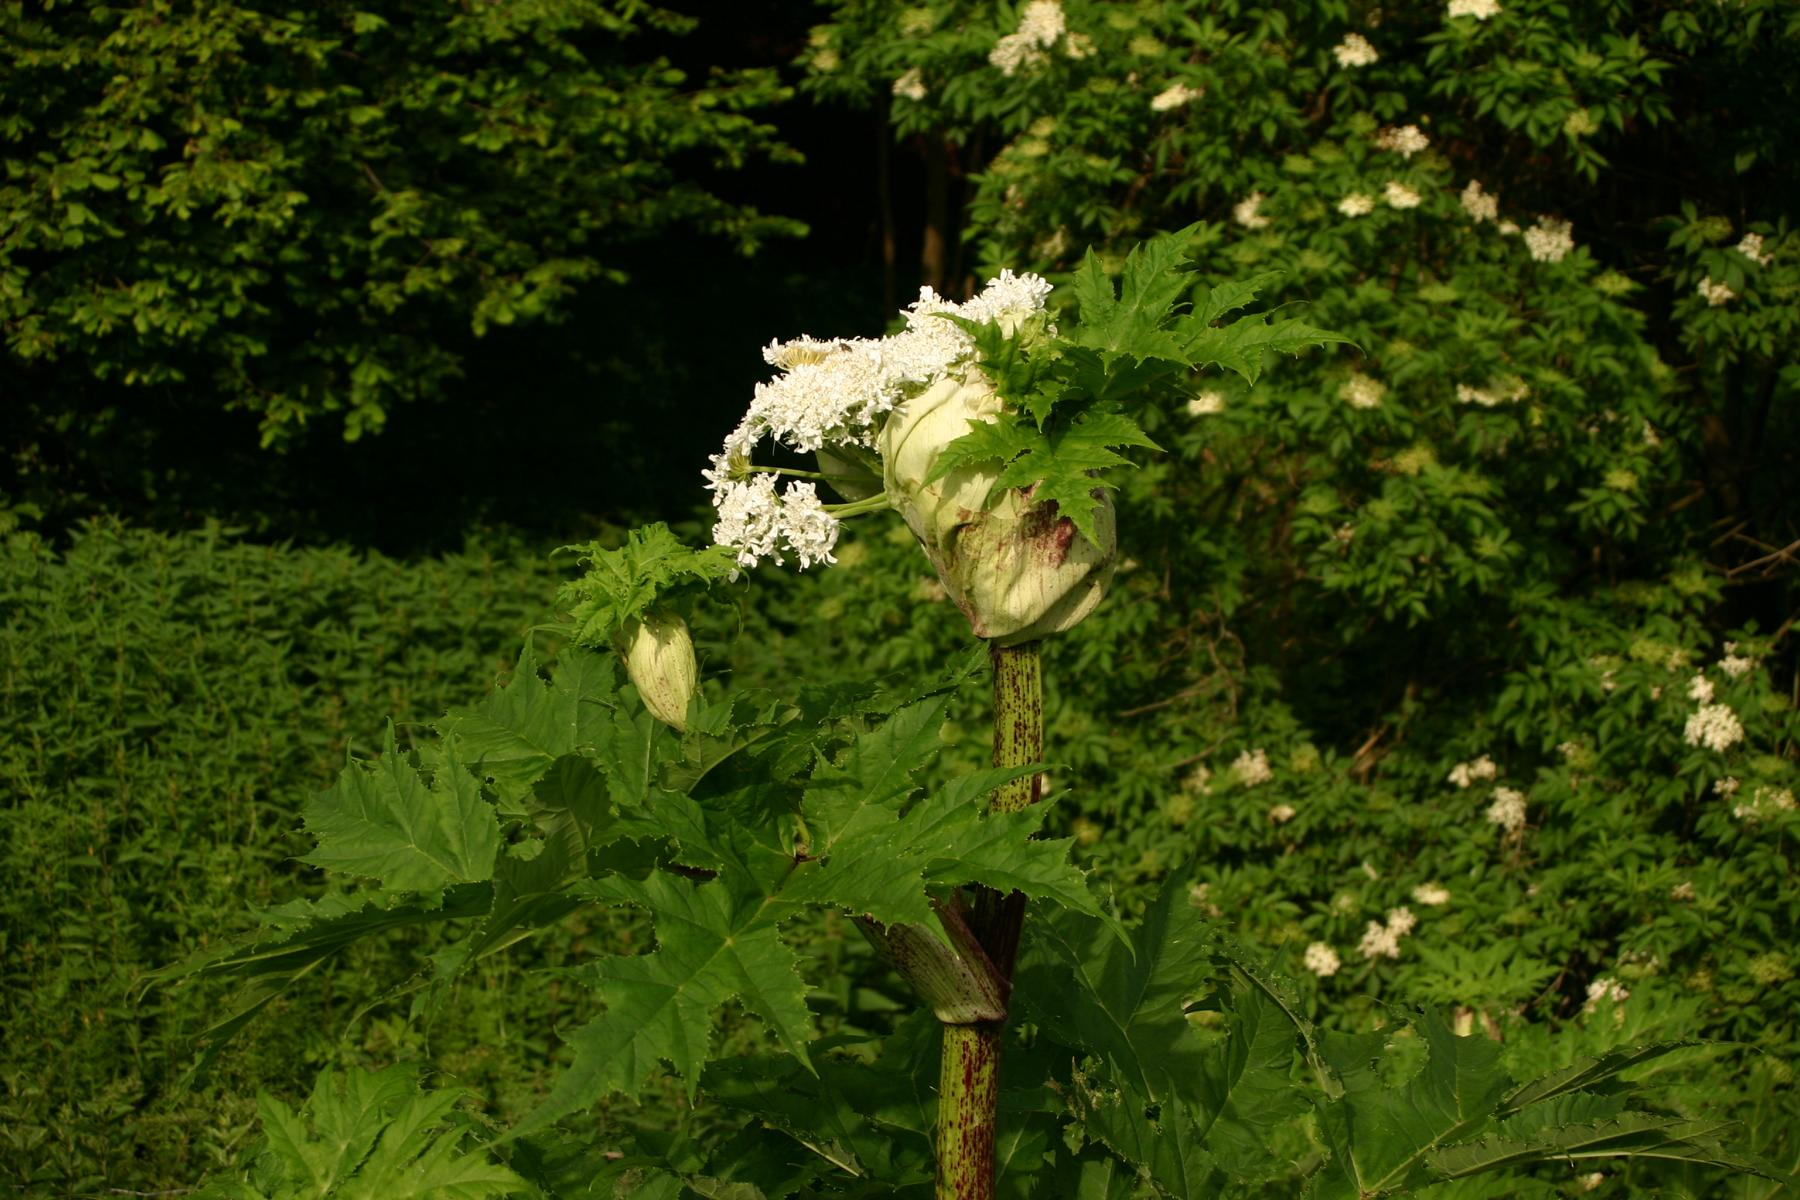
column 622, row 584
column 1586, row 1074
column 385, row 821
column 1629, row 1135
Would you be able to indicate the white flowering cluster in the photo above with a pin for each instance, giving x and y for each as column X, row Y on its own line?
column 1735, row 664
column 1176, row 95
column 1764, row 802
column 1700, row 690
column 1431, row 895
column 1039, row 26
column 833, row 393
column 1482, row 206
column 1716, row 292
column 1504, row 391
column 1549, row 240
column 1752, row 248
column 1404, row 140
column 1359, row 391
column 910, row 86
column 1252, row 768
column 1206, row 404
column 1508, row 809
column 1321, row 960
column 1281, row 814
column 1683, row 891
column 1608, row 989
column 1714, row 726
column 1465, row 774
column 1481, row 10
column 1355, row 51
column 1726, row 787
column 1245, row 214
column 1398, row 195
column 1383, row 940
column 1356, row 204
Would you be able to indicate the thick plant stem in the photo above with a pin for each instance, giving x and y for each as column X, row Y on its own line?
column 968, row 1094
column 969, row 1079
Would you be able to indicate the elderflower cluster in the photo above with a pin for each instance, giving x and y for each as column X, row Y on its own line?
column 832, row 393
column 1714, row 726
column 1734, row 664
column 1608, row 989
column 1763, row 802
column 1398, row 195
column 1549, row 240
column 1281, row 814
column 1207, row 403
column 1480, row 205
column 1176, row 95
column 1481, row 10
column 1252, row 768
column 1321, row 960
column 1381, row 940
column 1508, row 809
column 1354, row 51
column 1356, row 204
column 1465, row 774
column 1404, row 140
column 1245, row 214
column 1700, row 690
column 1039, row 26
column 1359, row 391
column 1716, row 292
column 910, row 86
column 1505, row 391
column 1752, row 248
column 1431, row 895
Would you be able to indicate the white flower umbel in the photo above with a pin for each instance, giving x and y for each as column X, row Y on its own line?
column 1176, row 95
column 1480, row 205
column 1252, row 768
column 1431, row 895
column 1356, row 204
column 1549, row 240
column 1481, row 10
column 910, row 86
column 762, row 524
column 1404, row 140
column 1752, row 248
column 1700, row 690
column 1245, row 214
column 1040, row 25
column 1714, row 726
column 1716, row 292
column 1360, row 391
column 1281, row 814
column 1734, row 664
column 1354, row 51
column 1398, row 195
column 1465, row 774
column 1206, row 404
column 1321, row 960
column 1508, row 809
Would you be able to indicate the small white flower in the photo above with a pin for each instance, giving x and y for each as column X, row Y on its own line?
column 761, row 524
column 910, row 86
column 1752, row 248
column 1378, row 941
column 1281, row 814
column 1321, row 960
column 1683, row 891
column 1508, row 809
column 1608, row 989
column 1431, row 895
column 1464, row 774
column 1733, row 664
column 1714, row 726
column 1176, row 95
column 1401, row 921
column 1206, row 404
column 1726, row 787
column 1506, row 228
column 1549, row 240
column 1716, row 293
column 1040, row 25
column 1245, row 214
column 1356, row 204
column 1404, row 140
column 1398, row 195
column 1078, row 45
column 1481, row 10
column 1496, row 393
column 1700, row 690
column 1354, row 51
column 1592, row 1180
column 1252, row 768
column 1482, row 206
column 1359, row 391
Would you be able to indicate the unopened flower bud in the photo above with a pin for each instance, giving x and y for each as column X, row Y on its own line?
column 659, row 658
column 1018, row 570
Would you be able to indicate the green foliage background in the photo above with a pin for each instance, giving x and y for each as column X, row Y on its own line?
column 1368, row 596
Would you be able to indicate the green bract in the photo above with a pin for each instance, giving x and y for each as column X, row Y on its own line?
column 1018, row 569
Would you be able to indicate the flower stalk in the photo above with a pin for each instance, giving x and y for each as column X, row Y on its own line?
column 969, row 1073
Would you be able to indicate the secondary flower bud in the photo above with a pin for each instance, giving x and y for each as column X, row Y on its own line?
column 659, row 658
column 1018, row 570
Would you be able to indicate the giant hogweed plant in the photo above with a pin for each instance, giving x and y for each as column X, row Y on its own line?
column 1067, row 1055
